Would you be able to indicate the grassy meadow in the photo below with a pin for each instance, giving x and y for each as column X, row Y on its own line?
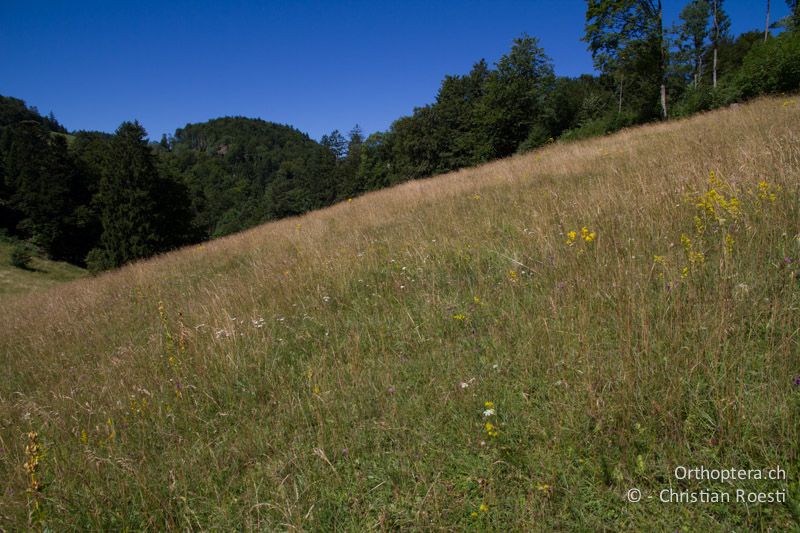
column 506, row 348
column 41, row 274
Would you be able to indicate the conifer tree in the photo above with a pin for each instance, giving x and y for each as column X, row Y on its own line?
column 141, row 212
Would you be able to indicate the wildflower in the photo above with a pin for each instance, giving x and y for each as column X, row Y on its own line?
column 796, row 381
column 476, row 299
column 765, row 191
column 33, row 455
column 464, row 384
column 571, row 236
column 488, row 412
column 513, row 275
column 459, row 317
column 345, row 452
column 544, row 487
column 488, row 405
column 391, row 390
column 476, row 197
column 587, row 235
column 729, row 242
column 474, row 514
column 349, row 200
column 483, row 508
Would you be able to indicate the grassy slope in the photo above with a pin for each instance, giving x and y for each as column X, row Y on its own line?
column 307, row 373
column 43, row 273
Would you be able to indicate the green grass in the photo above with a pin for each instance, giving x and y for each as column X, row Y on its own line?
column 308, row 374
column 41, row 274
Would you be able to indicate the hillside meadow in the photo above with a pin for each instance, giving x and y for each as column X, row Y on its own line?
column 508, row 347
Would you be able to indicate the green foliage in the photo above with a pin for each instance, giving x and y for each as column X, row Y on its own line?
column 142, row 211
column 626, row 40
column 21, row 256
column 770, row 67
column 241, row 172
column 14, row 110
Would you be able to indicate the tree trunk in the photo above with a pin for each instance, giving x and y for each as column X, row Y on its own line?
column 716, row 40
column 715, row 67
column 663, row 65
column 619, row 107
column 699, row 71
column 766, row 25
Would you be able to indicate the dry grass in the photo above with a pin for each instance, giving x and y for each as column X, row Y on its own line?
column 307, row 374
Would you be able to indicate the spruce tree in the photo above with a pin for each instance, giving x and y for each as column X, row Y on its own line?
column 141, row 212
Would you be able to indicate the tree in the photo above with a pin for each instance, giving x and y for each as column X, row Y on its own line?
column 142, row 213
column 336, row 143
column 42, row 186
column 626, row 38
column 515, row 103
column 766, row 24
column 693, row 34
column 794, row 14
column 721, row 25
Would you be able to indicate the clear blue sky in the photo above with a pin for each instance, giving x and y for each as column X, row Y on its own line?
column 315, row 65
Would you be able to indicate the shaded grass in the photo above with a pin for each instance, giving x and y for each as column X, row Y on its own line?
column 40, row 275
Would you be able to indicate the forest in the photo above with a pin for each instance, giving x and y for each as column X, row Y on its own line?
column 101, row 200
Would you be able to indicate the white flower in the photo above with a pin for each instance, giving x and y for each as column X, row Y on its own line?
column 488, row 412
column 464, row 384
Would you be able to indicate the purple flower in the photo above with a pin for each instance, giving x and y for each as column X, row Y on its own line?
column 391, row 390
column 345, row 452
column 796, row 381
column 787, row 260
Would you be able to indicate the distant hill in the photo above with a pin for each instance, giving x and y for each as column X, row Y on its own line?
column 243, row 171
column 14, row 110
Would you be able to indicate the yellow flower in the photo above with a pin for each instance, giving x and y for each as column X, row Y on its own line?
column 571, row 236
column 484, row 508
column 474, row 514
column 488, row 405
column 459, row 317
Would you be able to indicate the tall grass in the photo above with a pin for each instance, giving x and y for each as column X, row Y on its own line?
column 332, row 371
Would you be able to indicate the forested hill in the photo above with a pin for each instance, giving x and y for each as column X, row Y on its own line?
column 14, row 110
column 242, row 171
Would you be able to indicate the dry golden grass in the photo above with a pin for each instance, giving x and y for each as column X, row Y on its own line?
column 307, row 374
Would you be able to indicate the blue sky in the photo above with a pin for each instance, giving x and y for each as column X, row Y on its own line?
column 315, row 65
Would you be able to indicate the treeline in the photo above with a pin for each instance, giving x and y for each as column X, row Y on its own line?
column 102, row 200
